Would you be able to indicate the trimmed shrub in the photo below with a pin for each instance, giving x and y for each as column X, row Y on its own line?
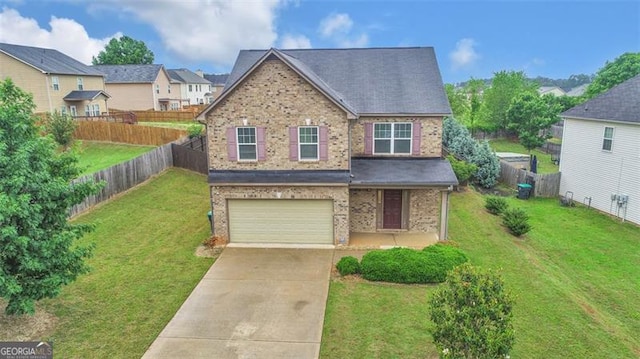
column 488, row 165
column 463, row 170
column 495, row 205
column 348, row 265
column 61, row 127
column 404, row 265
column 517, row 221
column 194, row 130
column 472, row 315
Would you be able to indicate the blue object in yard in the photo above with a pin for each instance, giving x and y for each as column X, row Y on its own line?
column 534, row 164
column 209, row 214
column 524, row 190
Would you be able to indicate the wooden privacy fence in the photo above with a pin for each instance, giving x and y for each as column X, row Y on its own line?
column 165, row 116
column 123, row 176
column 194, row 160
column 120, row 132
column 545, row 185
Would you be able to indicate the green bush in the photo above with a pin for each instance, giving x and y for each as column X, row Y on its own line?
column 472, row 315
column 517, row 221
column 495, row 205
column 348, row 265
column 61, row 127
column 404, row 265
column 194, row 130
column 463, row 170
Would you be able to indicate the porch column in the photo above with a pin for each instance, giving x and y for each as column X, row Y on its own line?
column 444, row 214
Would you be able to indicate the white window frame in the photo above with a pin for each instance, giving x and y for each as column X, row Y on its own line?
column 610, row 139
column 96, row 109
column 157, row 89
column 87, row 110
column 392, row 139
column 190, row 88
column 254, row 144
column 168, row 88
column 63, row 110
column 55, row 83
column 317, row 143
column 80, row 83
column 73, row 110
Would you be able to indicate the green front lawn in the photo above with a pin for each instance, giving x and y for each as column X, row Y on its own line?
column 144, row 268
column 544, row 159
column 575, row 278
column 177, row 125
column 96, row 156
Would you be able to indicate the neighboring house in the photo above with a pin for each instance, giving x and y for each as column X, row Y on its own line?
column 217, row 84
column 194, row 89
column 140, row 87
column 57, row 81
column 554, row 90
column 600, row 159
column 308, row 146
column 578, row 90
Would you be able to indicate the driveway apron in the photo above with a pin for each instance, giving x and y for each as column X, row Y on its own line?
column 252, row 303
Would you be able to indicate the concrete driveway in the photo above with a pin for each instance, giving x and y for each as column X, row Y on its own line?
column 252, row 303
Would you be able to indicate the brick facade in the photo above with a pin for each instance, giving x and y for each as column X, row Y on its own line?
column 362, row 210
column 431, row 134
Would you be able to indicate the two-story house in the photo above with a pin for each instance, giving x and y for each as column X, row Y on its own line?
column 57, row 81
column 217, row 85
column 600, row 158
column 140, row 87
column 194, row 89
column 308, row 146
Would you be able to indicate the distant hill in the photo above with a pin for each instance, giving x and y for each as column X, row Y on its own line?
column 565, row 84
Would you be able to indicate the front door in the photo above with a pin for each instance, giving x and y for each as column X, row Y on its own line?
column 392, row 209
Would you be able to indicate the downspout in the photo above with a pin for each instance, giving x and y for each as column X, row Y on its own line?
column 444, row 213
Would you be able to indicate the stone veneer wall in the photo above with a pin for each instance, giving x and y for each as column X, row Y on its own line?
column 340, row 196
column 424, row 210
column 275, row 97
column 430, row 144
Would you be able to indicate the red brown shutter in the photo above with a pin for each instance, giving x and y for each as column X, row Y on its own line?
column 324, row 143
column 293, row 143
column 368, row 138
column 262, row 148
column 417, row 137
column 232, row 150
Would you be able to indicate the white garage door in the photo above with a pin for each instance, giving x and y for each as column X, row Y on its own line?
column 281, row 221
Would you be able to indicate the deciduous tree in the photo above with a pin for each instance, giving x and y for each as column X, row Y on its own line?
column 124, row 51
column 529, row 116
column 504, row 87
column 613, row 73
column 39, row 252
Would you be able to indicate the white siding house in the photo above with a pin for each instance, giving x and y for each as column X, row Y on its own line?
column 194, row 89
column 600, row 159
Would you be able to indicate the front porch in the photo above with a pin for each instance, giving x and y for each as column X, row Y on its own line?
column 382, row 240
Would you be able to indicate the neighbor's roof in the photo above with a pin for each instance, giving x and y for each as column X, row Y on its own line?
column 578, row 90
column 78, row 95
column 369, row 81
column 620, row 104
column 279, row 176
column 420, row 172
column 217, row 79
column 187, row 76
column 130, row 73
column 48, row 60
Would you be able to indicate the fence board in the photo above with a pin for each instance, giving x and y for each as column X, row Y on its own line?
column 190, row 159
column 124, row 133
column 124, row 176
column 165, row 116
column 545, row 185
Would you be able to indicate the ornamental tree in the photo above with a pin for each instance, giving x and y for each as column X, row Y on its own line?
column 39, row 250
column 124, row 51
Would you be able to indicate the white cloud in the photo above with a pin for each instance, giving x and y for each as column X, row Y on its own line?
column 290, row 41
column 337, row 28
column 208, row 30
column 464, row 54
column 66, row 35
column 335, row 24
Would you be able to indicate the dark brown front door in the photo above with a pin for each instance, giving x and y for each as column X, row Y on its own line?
column 392, row 209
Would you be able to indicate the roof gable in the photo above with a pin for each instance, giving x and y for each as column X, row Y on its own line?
column 384, row 81
column 48, row 60
column 131, row 73
column 620, row 104
column 186, row 76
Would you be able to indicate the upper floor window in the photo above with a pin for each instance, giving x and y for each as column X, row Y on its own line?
column 55, row 83
column 392, row 138
column 157, row 88
column 308, row 142
column 168, row 88
column 190, row 88
column 80, row 84
column 247, row 144
column 607, row 139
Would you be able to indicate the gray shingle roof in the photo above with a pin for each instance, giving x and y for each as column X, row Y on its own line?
column 78, row 95
column 187, row 76
column 48, row 60
column 280, row 176
column 129, row 73
column 402, row 172
column 220, row 79
column 621, row 103
column 371, row 81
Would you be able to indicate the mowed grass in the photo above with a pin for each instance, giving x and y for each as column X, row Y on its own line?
column 144, row 268
column 544, row 159
column 182, row 125
column 575, row 277
column 96, row 156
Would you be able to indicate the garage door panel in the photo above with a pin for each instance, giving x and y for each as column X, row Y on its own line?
column 281, row 221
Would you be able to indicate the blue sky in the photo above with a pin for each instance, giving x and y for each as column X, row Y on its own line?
column 471, row 38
